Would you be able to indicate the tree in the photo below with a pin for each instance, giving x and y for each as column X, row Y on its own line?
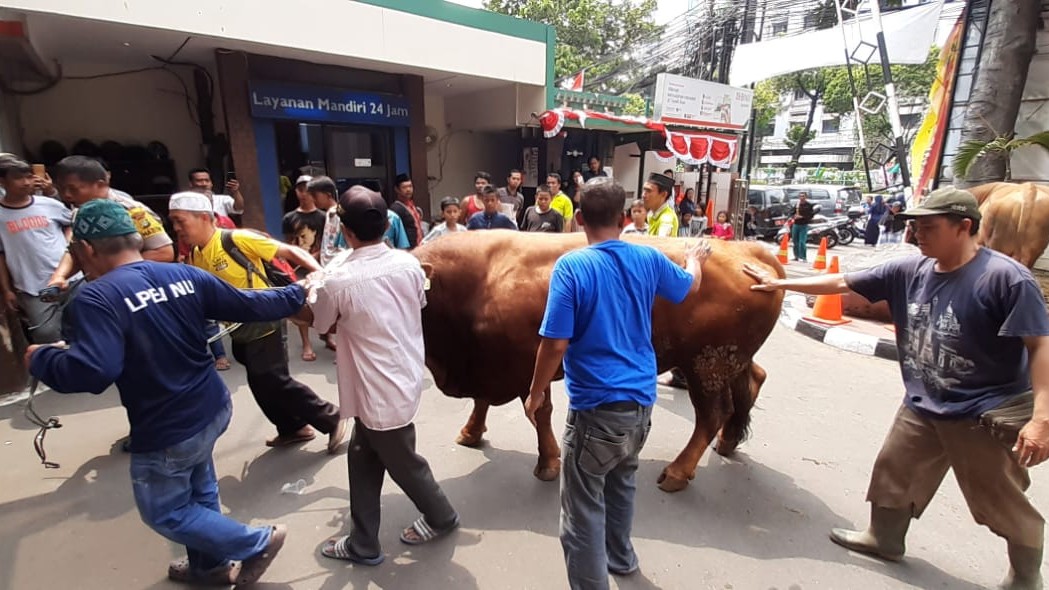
column 974, row 150
column 637, row 106
column 766, row 104
column 812, row 84
column 912, row 84
column 596, row 35
column 1009, row 46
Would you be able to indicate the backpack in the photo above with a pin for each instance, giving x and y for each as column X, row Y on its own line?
column 274, row 273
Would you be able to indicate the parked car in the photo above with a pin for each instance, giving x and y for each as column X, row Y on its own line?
column 772, row 207
column 834, row 199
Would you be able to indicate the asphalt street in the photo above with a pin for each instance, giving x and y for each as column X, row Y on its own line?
column 758, row 520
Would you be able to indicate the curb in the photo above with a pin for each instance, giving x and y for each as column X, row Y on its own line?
column 836, row 336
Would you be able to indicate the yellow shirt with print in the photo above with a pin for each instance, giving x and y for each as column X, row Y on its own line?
column 214, row 259
column 663, row 222
column 563, row 205
column 148, row 223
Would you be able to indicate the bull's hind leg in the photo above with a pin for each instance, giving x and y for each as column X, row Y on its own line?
column 548, row 468
column 712, row 402
column 471, row 434
column 745, row 390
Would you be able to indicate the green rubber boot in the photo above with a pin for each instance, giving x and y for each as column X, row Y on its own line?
column 884, row 537
column 1025, row 568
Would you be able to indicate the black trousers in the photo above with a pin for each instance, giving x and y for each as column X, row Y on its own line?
column 373, row 453
column 288, row 404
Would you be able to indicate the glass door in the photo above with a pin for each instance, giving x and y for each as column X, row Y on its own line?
column 360, row 155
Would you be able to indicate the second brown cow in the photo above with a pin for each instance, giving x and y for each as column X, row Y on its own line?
column 486, row 301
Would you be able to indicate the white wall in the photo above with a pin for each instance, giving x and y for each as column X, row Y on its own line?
column 136, row 108
column 375, row 34
column 9, row 139
column 465, row 151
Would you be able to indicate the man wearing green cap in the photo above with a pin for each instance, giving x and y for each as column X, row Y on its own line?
column 973, row 340
column 141, row 324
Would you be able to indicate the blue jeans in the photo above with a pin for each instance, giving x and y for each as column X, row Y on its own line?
column 599, row 456
column 211, row 328
column 799, row 235
column 177, row 495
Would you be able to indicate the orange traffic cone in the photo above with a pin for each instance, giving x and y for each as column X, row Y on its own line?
column 782, row 254
column 828, row 308
column 821, row 256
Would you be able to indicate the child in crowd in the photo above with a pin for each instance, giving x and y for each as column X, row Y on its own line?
column 690, row 226
column 540, row 217
column 722, row 228
column 638, row 219
column 490, row 218
column 450, row 214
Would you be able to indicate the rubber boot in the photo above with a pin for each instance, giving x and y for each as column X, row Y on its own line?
column 1025, row 568
column 884, row 537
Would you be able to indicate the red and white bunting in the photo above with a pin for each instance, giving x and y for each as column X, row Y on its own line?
column 691, row 147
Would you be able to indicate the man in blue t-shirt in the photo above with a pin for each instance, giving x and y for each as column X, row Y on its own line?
column 141, row 324
column 599, row 320
column 971, row 325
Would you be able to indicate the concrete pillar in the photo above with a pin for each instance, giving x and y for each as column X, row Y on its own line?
column 233, row 88
column 413, row 91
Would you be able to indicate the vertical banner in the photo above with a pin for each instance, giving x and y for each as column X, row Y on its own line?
column 530, row 166
column 928, row 142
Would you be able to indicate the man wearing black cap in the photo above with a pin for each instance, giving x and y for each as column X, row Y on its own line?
column 405, row 208
column 973, row 340
column 375, row 297
column 662, row 221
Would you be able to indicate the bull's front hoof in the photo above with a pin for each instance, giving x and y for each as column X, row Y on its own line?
column 670, row 483
column 547, row 472
column 470, row 439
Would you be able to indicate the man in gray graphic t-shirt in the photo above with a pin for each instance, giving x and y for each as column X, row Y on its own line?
column 34, row 234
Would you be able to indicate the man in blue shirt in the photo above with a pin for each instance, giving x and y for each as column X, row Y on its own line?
column 599, row 320
column 140, row 324
column 490, row 218
column 973, row 337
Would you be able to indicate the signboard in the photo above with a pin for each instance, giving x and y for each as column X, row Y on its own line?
column 697, row 102
column 273, row 100
column 530, row 156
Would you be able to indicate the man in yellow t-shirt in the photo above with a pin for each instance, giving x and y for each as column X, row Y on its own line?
column 662, row 221
column 290, row 405
column 560, row 203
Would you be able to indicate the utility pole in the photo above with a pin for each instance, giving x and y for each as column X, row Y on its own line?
column 857, row 113
column 890, row 94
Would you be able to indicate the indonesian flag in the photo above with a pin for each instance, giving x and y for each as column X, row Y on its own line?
column 575, row 83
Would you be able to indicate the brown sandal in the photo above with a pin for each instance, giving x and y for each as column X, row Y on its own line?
column 304, row 434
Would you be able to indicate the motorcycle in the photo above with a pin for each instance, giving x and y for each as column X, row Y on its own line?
column 854, row 226
column 820, row 228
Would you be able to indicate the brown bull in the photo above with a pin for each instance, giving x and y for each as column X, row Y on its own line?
column 486, row 301
column 1015, row 219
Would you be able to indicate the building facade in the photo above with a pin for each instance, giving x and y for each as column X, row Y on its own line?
column 359, row 90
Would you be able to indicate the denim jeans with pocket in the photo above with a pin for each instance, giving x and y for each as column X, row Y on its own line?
column 177, row 495
column 599, row 455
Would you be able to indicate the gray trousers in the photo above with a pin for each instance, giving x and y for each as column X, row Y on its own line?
column 372, row 454
column 599, row 459
column 45, row 318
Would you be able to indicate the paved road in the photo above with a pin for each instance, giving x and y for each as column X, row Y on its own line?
column 757, row 521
